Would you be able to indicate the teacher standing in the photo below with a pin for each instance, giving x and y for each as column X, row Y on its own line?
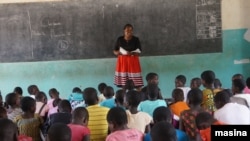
column 127, row 48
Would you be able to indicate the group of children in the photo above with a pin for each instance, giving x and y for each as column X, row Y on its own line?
column 128, row 114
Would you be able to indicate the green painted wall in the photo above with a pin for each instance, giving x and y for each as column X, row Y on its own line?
column 64, row 75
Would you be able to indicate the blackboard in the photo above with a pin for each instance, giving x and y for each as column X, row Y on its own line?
column 87, row 29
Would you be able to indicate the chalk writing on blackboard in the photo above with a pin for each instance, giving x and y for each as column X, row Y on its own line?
column 208, row 19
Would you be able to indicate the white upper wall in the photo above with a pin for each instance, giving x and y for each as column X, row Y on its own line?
column 235, row 13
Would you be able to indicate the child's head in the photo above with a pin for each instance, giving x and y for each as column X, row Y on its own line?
column 238, row 86
column 12, row 100
column 33, row 89
column 195, row 83
column 80, row 115
column 177, row 95
column 153, row 91
column 28, row 104
column 208, row 78
column 8, row 130
column 163, row 131
column 64, row 106
column 56, row 102
column 221, row 98
column 77, row 90
column 116, row 118
column 18, row 90
column 130, row 85
column 152, row 78
column 194, row 97
column 119, row 97
column 41, row 97
column 204, row 120
column 248, row 82
column 101, row 87
column 53, row 93
column 59, row 132
column 90, row 96
column 108, row 92
column 237, row 76
column 217, row 83
column 133, row 98
column 3, row 113
column 180, row 81
column 162, row 113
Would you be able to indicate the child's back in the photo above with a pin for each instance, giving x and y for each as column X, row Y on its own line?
column 59, row 132
column 78, row 126
column 54, row 94
column 13, row 102
column 117, row 120
column 101, row 87
column 29, row 123
column 8, row 130
column 149, row 106
column 178, row 105
column 76, row 98
column 187, row 117
column 208, row 78
column 180, row 82
column 109, row 101
column 137, row 119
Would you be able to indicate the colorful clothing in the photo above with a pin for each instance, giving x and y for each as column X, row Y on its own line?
column 97, row 123
column 128, row 66
column 178, row 107
column 208, row 99
column 78, row 132
column 50, row 103
column 52, row 111
column 76, row 100
column 109, row 103
column 24, row 138
column 126, row 135
column 246, row 90
column 139, row 120
column 149, row 106
column 187, row 119
column 206, row 133
column 29, row 127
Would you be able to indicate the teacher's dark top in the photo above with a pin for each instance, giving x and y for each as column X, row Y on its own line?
column 129, row 45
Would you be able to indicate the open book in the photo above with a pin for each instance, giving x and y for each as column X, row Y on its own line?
column 124, row 52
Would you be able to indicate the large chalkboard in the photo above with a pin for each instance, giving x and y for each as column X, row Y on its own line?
column 89, row 28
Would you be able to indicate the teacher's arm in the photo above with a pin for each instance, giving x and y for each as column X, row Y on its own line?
column 116, row 48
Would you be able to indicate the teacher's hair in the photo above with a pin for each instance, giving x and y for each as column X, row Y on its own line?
column 128, row 25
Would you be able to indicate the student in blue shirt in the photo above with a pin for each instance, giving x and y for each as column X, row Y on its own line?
column 164, row 114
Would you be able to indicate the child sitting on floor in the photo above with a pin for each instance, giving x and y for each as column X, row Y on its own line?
column 78, row 125
column 28, row 122
column 118, row 121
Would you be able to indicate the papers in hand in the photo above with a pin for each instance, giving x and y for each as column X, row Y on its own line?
column 124, row 52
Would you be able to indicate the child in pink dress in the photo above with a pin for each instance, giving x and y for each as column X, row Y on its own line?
column 117, row 120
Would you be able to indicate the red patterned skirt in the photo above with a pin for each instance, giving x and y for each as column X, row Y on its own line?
column 128, row 67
